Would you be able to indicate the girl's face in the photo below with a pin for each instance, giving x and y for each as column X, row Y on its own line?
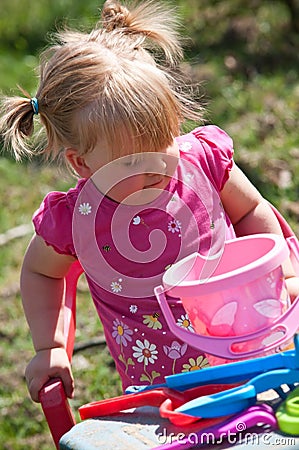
column 134, row 179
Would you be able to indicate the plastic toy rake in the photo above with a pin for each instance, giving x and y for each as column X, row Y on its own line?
column 229, row 373
column 167, row 399
column 236, row 399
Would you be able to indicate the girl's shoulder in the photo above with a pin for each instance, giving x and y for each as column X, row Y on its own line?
column 56, row 201
column 211, row 148
column 53, row 219
column 213, row 135
column 212, row 139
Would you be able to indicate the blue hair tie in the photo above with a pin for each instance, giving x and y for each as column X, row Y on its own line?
column 34, row 104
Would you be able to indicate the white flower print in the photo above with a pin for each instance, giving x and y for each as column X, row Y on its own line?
column 116, row 286
column 189, row 176
column 145, row 352
column 133, row 309
column 136, row 220
column 84, row 209
column 185, row 146
column 174, row 226
column 184, row 322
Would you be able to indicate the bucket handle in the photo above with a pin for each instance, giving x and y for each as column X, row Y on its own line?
column 222, row 346
column 293, row 245
column 290, row 238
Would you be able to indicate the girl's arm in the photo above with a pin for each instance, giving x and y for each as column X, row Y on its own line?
column 42, row 288
column 250, row 213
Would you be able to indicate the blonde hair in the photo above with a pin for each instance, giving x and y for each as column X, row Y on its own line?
column 114, row 85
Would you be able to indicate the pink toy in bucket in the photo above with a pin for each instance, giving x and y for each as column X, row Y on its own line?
column 243, row 308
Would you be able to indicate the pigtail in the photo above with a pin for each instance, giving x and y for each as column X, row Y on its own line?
column 16, row 124
column 114, row 15
column 155, row 23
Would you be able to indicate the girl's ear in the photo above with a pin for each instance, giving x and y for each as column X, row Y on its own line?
column 78, row 163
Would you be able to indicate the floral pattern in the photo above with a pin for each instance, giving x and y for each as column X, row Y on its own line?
column 144, row 348
column 122, row 335
column 174, row 226
column 152, row 321
column 121, row 332
column 116, row 286
column 146, row 353
column 175, row 351
column 84, row 209
column 185, row 146
column 200, row 363
column 137, row 220
column 189, row 176
column 184, row 322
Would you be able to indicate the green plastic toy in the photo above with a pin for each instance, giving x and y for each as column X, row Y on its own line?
column 287, row 414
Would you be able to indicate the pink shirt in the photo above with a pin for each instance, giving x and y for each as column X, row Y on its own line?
column 126, row 249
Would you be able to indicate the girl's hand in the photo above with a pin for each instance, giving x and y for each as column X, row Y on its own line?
column 46, row 364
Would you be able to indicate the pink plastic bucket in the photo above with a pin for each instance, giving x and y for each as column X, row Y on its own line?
column 244, row 296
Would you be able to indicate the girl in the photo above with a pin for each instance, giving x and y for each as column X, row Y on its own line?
column 146, row 196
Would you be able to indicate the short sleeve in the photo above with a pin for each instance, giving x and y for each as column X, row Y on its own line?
column 217, row 155
column 53, row 222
